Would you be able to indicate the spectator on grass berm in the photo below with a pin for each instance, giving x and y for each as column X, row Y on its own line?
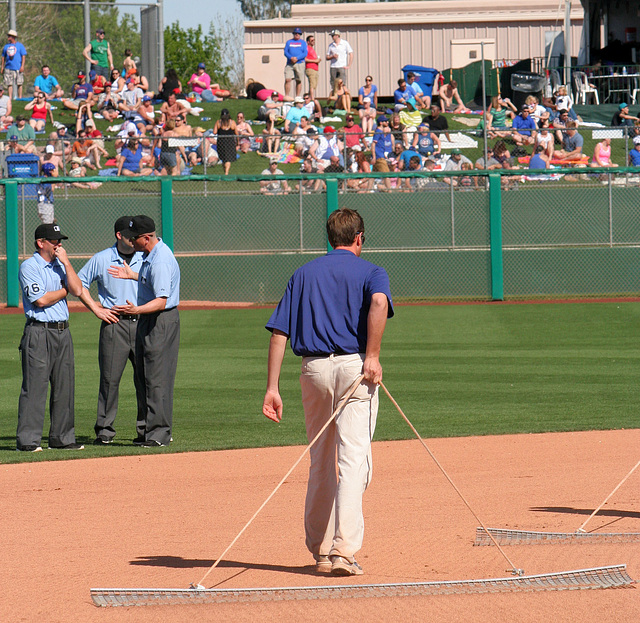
column 382, row 144
column 340, row 96
column 81, row 93
column 340, row 55
column 47, row 83
column 602, row 154
column 132, row 162
column 207, row 147
column 78, row 171
column 369, row 90
column 97, row 82
column 559, row 125
column 140, row 81
column 98, row 53
column 41, row 110
column 50, row 161
column 169, row 84
column 353, row 134
column 426, row 142
column 363, row 165
column 402, row 95
column 326, row 145
column 145, row 115
column 270, row 137
column 309, row 185
column 5, row 109
column 200, row 83
column 295, row 51
column 271, row 105
column 245, row 133
column 410, row 119
column 80, row 149
column 524, row 127
column 564, row 101
column 108, row 103
column 311, row 66
column 24, row 134
column 536, row 111
column 96, row 147
column 455, row 163
column 61, row 145
column 540, row 159
column 131, row 98
column 117, row 341
column 302, row 138
column 492, row 162
column 449, row 96
column 313, row 108
column 129, row 64
column 544, row 138
column 502, row 155
column 621, row 117
column 273, row 186
column 118, row 83
column 172, row 108
column 158, row 334
column 225, row 129
column 14, row 55
column 438, row 123
column 296, row 112
column 634, row 154
column 501, row 108
column 367, row 116
column 46, row 347
column 339, row 335
column 422, row 100
column 572, row 144
column 168, row 158
column 398, row 129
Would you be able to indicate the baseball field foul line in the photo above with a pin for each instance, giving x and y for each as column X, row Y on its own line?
column 599, row 577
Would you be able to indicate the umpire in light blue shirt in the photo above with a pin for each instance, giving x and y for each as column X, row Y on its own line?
column 117, row 343
column 158, row 335
column 46, row 348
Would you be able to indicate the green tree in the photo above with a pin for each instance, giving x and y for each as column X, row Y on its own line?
column 184, row 49
column 54, row 35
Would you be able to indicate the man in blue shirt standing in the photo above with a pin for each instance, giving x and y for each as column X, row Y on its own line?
column 46, row 348
column 158, row 335
column 334, row 310
column 13, row 57
column 295, row 51
column 117, row 343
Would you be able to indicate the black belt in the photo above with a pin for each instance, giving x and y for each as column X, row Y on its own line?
column 132, row 317
column 57, row 326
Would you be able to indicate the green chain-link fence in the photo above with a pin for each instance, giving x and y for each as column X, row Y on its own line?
column 506, row 235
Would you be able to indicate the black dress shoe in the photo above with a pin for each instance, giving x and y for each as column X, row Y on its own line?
column 70, row 446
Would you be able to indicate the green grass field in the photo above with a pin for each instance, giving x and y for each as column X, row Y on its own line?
column 455, row 370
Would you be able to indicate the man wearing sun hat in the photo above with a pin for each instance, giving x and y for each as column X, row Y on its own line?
column 340, row 55
column 46, row 348
column 13, row 57
column 295, row 51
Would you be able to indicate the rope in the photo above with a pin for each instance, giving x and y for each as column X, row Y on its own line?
column 595, row 512
column 342, row 402
column 514, row 569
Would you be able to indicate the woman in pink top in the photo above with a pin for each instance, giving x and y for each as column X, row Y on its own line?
column 602, row 154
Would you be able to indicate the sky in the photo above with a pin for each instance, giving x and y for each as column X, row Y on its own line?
column 190, row 13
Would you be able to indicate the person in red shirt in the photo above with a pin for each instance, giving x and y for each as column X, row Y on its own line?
column 311, row 66
column 353, row 134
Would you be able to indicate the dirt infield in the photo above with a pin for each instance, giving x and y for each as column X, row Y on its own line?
column 161, row 520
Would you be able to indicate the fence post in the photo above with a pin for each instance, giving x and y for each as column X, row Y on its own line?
column 332, row 201
column 495, row 227
column 166, row 202
column 12, row 242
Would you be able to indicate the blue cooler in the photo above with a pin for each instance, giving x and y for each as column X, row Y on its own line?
column 425, row 76
column 24, row 165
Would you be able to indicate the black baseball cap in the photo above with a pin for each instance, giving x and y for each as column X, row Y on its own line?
column 50, row 231
column 122, row 224
column 141, row 224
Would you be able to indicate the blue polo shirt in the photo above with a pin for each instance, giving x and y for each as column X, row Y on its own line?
column 46, row 84
column 524, row 126
column 159, row 276
column 37, row 277
column 326, row 304
column 383, row 143
column 13, row 54
column 295, row 114
column 111, row 290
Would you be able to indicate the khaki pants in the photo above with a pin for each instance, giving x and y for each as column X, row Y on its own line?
column 334, row 523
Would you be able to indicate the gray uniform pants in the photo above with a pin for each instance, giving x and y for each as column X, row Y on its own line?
column 47, row 357
column 117, row 346
column 157, row 343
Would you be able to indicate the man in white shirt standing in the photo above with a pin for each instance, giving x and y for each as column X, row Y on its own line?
column 340, row 53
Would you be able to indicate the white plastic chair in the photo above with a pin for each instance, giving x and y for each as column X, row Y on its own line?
column 583, row 89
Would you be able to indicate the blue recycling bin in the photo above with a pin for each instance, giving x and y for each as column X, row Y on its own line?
column 24, row 165
column 425, row 76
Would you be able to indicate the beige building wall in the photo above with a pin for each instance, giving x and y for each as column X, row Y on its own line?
column 387, row 36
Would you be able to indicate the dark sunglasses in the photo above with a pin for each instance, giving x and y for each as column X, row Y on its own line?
column 362, row 234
